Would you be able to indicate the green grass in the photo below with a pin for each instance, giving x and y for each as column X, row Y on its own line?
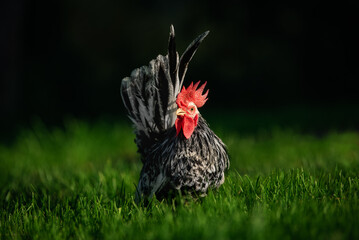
column 79, row 181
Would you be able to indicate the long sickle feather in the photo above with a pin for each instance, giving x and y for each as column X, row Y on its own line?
column 188, row 54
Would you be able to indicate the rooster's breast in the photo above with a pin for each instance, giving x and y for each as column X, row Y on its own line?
column 193, row 164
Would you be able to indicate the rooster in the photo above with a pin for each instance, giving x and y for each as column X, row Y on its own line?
column 178, row 150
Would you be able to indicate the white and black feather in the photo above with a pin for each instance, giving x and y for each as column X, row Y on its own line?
column 193, row 164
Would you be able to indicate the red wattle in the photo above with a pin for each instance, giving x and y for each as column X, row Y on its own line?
column 196, row 120
column 188, row 126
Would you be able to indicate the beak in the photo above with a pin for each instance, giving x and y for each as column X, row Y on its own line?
column 180, row 112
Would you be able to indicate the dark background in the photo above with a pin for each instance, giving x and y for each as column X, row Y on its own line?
column 67, row 58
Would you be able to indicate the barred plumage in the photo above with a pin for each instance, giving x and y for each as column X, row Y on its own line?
column 192, row 161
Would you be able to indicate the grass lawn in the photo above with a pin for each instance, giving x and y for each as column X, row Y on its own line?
column 79, row 182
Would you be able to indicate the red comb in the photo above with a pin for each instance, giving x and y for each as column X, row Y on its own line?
column 192, row 95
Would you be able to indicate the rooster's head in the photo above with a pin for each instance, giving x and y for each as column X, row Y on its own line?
column 188, row 102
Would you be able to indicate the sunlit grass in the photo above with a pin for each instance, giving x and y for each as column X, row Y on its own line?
column 79, row 182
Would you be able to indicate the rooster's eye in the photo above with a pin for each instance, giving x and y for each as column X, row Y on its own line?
column 192, row 108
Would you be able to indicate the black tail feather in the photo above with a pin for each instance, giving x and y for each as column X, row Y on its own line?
column 172, row 55
column 188, row 54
